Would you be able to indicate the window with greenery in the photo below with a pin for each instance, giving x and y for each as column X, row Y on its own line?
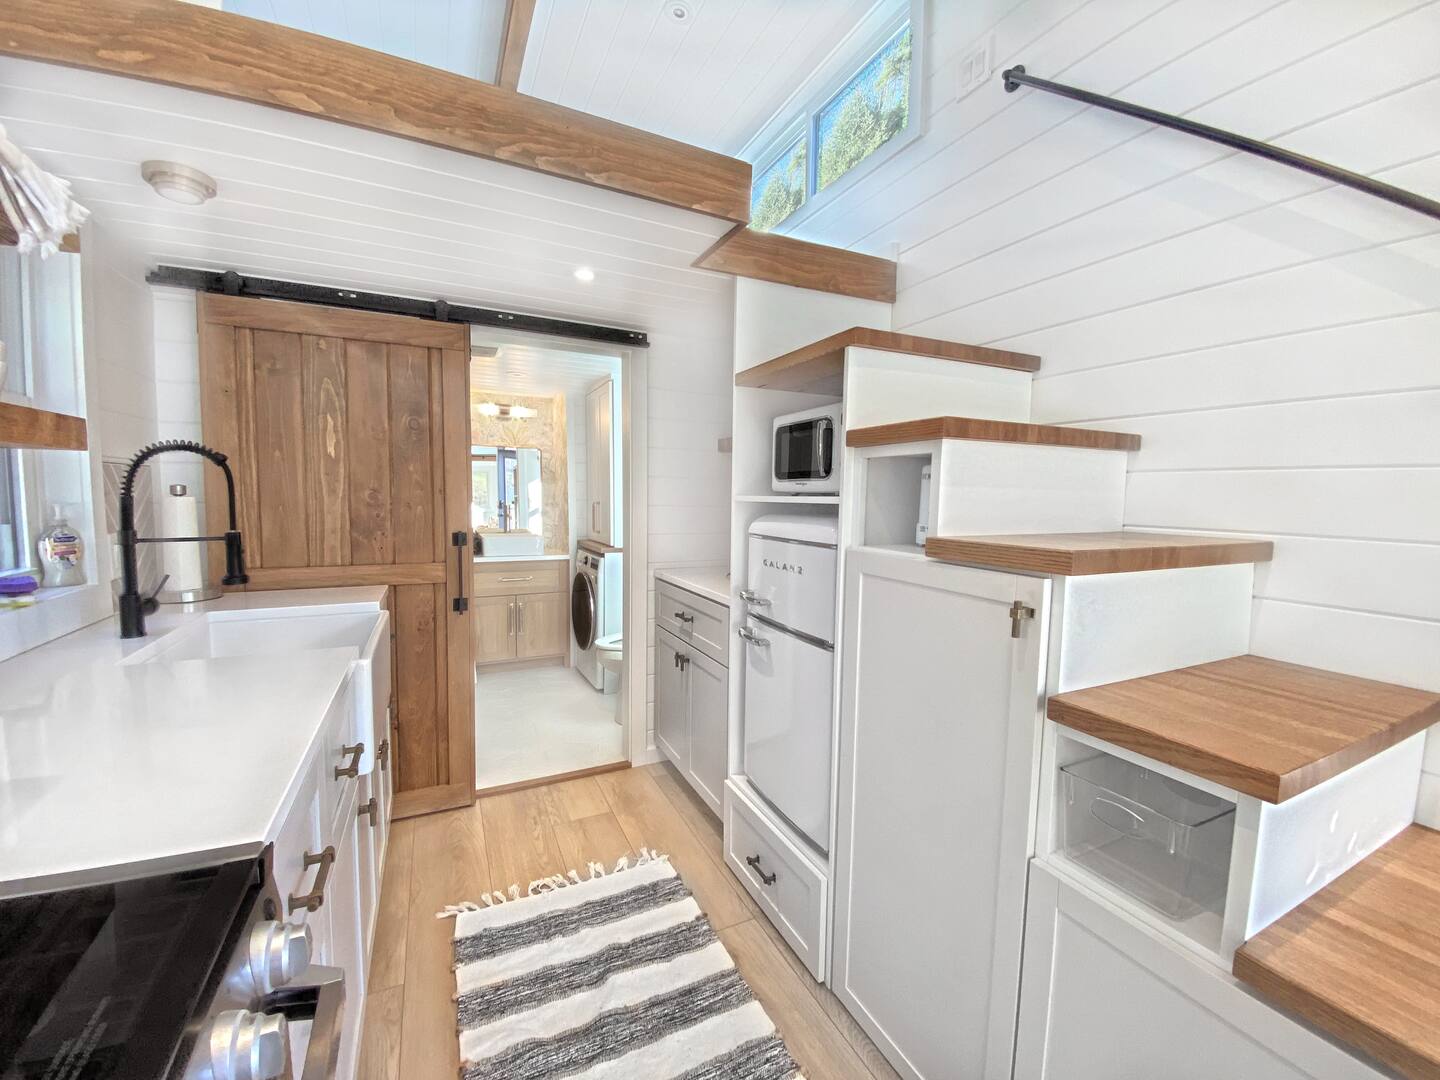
column 869, row 110
column 780, row 189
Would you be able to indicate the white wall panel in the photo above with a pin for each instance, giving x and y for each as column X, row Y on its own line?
column 1274, row 340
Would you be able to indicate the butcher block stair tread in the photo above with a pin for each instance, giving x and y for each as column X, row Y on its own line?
column 1260, row 727
column 819, row 368
column 970, row 427
column 1361, row 958
column 1084, row 553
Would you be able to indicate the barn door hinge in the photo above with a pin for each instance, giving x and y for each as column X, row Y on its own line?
column 461, row 543
column 1019, row 613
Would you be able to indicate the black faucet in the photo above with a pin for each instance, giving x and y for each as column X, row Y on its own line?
column 133, row 606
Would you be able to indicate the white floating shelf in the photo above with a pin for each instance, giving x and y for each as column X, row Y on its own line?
column 802, row 500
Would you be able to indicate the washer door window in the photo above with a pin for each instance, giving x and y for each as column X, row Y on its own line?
column 582, row 610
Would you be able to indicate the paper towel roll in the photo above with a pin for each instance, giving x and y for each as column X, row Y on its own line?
column 185, row 563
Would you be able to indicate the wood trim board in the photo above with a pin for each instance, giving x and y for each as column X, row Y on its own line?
column 967, row 427
column 1258, row 726
column 557, row 778
column 1078, row 554
column 819, row 368
column 217, row 52
column 432, row 800
column 288, row 316
column 787, row 261
column 1361, row 959
column 519, row 17
column 325, row 577
column 36, row 429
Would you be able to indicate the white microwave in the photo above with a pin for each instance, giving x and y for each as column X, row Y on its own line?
column 806, row 452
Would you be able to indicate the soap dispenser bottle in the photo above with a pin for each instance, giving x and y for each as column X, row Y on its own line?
column 61, row 552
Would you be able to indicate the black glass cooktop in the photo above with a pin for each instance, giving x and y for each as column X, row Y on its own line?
column 105, row 981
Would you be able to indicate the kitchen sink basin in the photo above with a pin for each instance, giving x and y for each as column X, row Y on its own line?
column 219, row 634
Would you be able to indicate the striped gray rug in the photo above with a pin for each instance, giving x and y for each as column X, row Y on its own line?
column 618, row 976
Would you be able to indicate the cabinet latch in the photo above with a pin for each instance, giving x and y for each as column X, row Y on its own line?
column 1018, row 613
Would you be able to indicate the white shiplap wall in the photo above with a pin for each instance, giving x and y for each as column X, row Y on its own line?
column 1276, row 341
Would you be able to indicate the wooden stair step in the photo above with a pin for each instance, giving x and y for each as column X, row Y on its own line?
column 968, row 427
column 1260, row 727
column 819, row 368
column 1361, row 958
column 1080, row 554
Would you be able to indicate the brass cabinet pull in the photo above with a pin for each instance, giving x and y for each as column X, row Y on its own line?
column 312, row 900
column 754, row 861
column 519, row 617
column 369, row 810
column 382, row 755
column 521, row 577
column 353, row 769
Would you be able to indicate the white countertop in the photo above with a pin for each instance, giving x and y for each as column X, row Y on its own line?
column 520, row 558
column 711, row 582
column 108, row 768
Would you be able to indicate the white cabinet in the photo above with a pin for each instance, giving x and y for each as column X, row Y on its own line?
column 602, row 462
column 939, row 722
column 692, row 710
column 1104, row 997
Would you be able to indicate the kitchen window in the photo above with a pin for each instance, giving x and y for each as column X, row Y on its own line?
column 14, row 334
column 857, row 112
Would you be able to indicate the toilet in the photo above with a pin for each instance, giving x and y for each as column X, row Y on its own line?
column 610, row 652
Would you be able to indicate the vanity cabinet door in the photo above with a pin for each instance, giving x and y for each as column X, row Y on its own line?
column 672, row 702
column 493, row 618
column 708, row 691
column 542, row 624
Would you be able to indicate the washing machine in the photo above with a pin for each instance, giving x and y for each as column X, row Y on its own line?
column 596, row 599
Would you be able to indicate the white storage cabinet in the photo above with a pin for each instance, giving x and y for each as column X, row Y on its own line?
column 692, row 693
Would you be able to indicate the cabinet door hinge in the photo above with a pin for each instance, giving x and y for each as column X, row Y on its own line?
column 1018, row 613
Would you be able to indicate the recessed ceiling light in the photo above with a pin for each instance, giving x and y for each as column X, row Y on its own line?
column 584, row 273
column 178, row 183
column 678, row 11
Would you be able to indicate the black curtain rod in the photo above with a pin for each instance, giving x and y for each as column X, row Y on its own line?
column 232, row 284
column 1015, row 78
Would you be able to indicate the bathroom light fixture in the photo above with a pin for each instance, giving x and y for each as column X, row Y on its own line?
column 584, row 273
column 505, row 412
column 178, row 183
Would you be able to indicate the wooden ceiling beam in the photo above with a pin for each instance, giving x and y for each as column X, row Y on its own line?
column 217, row 52
column 519, row 16
column 787, row 261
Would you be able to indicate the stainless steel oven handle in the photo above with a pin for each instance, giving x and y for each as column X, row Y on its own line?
column 318, row 996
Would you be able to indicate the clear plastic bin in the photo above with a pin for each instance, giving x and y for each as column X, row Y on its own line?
column 1165, row 843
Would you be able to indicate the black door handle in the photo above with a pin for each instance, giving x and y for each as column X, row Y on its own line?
column 461, row 603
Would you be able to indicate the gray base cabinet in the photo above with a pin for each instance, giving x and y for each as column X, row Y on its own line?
column 692, row 707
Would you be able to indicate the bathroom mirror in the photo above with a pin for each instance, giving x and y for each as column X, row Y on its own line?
column 505, row 491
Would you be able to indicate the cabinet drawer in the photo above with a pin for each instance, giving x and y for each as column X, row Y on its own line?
column 510, row 579
column 692, row 618
column 783, row 879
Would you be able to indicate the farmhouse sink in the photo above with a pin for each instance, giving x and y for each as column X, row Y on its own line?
column 514, row 543
column 219, row 634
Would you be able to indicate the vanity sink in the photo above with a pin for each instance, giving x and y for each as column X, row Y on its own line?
column 512, row 543
column 219, row 634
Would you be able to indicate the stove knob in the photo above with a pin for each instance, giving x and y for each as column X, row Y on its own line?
column 241, row 1045
column 278, row 952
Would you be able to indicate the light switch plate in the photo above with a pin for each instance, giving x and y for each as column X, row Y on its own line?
column 974, row 66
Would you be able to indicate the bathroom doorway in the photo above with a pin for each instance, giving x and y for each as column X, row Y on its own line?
column 552, row 483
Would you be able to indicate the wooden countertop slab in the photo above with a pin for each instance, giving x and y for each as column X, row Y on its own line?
column 1361, row 958
column 1262, row 727
column 1078, row 554
column 819, row 368
column 968, row 427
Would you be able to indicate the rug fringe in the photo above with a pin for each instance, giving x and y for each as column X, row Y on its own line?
column 540, row 886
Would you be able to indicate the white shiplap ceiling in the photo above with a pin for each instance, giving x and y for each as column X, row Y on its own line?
column 312, row 201
column 711, row 80
column 535, row 370
column 462, row 36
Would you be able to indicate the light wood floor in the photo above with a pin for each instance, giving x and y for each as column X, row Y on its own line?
column 523, row 835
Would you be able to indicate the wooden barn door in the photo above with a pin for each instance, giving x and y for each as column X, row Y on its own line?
column 349, row 436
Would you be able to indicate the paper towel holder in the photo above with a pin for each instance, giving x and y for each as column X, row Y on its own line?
column 208, row 590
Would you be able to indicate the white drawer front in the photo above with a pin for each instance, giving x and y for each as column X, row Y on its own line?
column 701, row 622
column 787, row 883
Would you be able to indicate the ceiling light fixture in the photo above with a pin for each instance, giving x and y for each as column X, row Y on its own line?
column 178, row 183
column 585, row 274
column 505, row 412
column 678, row 11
